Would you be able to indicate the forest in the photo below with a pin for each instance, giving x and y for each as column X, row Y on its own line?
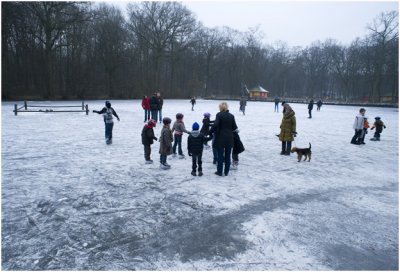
column 89, row 50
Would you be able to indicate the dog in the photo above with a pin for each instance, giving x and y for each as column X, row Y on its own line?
column 306, row 152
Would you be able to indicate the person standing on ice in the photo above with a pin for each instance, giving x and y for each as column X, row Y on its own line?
column 238, row 148
column 148, row 138
column 178, row 129
column 310, row 108
column 223, row 127
column 160, row 105
column 205, row 128
column 288, row 129
column 146, row 107
column 108, row 113
column 193, row 101
column 276, row 101
column 195, row 144
column 358, row 127
column 154, row 105
column 165, row 143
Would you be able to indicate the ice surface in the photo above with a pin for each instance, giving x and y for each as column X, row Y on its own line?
column 69, row 201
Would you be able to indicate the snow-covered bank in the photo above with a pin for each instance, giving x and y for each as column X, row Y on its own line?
column 71, row 202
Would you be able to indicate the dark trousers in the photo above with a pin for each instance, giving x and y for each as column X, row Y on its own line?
column 276, row 108
column 160, row 115
column 356, row 138
column 377, row 135
column 147, row 152
column 286, row 146
column 146, row 115
column 196, row 162
column 109, row 129
column 154, row 114
column 163, row 159
column 177, row 142
column 309, row 113
column 224, row 156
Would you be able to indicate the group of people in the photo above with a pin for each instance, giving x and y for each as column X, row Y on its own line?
column 153, row 106
column 223, row 132
column 361, row 126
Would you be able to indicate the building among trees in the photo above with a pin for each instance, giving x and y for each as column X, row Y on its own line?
column 258, row 93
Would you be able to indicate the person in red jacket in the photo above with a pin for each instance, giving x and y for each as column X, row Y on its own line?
column 146, row 107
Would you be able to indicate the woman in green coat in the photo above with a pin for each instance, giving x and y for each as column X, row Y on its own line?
column 288, row 128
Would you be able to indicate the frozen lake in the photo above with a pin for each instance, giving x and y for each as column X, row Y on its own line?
column 70, row 202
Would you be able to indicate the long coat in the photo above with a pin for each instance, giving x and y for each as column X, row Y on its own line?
column 223, row 127
column 166, row 141
column 288, row 126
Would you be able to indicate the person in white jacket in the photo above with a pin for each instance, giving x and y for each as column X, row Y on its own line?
column 358, row 126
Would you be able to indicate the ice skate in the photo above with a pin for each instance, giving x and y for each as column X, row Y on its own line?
column 235, row 165
column 109, row 141
column 200, row 173
column 193, row 173
column 174, row 155
column 165, row 166
column 149, row 162
column 181, row 156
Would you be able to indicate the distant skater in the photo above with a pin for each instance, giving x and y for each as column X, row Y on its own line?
column 243, row 104
column 358, row 127
column 319, row 105
column 276, row 100
column 193, row 101
column 108, row 113
column 310, row 108
column 146, row 107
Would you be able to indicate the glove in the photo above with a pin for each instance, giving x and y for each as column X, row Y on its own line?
column 118, row 119
column 384, row 126
column 372, row 128
column 294, row 133
column 94, row 111
column 190, row 154
column 155, row 138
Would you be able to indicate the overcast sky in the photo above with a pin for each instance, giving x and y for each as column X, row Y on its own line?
column 298, row 23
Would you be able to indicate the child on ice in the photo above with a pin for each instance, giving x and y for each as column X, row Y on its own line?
column 108, row 113
column 237, row 149
column 379, row 125
column 165, row 143
column 207, row 123
column 195, row 146
column 178, row 129
column 148, row 138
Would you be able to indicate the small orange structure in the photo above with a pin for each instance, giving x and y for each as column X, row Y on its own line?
column 258, row 93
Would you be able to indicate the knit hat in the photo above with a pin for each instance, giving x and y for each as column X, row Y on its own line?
column 206, row 114
column 108, row 104
column 179, row 116
column 283, row 103
column 377, row 118
column 166, row 120
column 195, row 126
column 152, row 123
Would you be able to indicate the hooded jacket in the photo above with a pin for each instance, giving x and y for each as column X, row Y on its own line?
column 288, row 126
column 196, row 142
column 148, row 135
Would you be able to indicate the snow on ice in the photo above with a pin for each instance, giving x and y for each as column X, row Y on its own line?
column 69, row 201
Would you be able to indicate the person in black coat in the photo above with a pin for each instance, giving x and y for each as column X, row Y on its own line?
column 205, row 128
column 195, row 146
column 148, row 139
column 310, row 107
column 154, row 107
column 223, row 127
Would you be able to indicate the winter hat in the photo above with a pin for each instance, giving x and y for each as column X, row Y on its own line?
column 108, row 104
column 152, row 123
column 377, row 118
column 179, row 116
column 283, row 103
column 166, row 120
column 206, row 114
column 195, row 126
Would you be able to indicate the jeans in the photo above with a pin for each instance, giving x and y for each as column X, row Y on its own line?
column 196, row 161
column 177, row 142
column 160, row 113
column 146, row 115
column 109, row 128
column 356, row 137
column 286, row 146
column 154, row 115
column 224, row 156
column 276, row 108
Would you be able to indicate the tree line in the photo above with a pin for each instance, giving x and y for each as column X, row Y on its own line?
column 83, row 50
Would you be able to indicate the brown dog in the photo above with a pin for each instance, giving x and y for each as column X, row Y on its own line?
column 302, row 151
